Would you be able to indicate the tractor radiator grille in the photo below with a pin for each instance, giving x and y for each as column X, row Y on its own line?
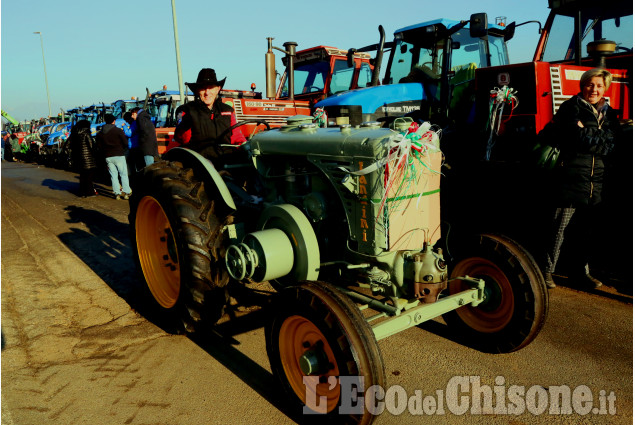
column 556, row 89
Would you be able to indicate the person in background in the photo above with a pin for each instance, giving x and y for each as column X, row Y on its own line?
column 8, row 149
column 586, row 128
column 113, row 144
column 4, row 141
column 15, row 146
column 146, row 135
column 134, row 158
column 207, row 118
column 82, row 150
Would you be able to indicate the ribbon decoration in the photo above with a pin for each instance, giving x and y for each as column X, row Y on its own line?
column 404, row 151
column 320, row 117
column 499, row 97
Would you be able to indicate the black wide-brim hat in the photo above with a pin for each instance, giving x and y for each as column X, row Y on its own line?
column 206, row 77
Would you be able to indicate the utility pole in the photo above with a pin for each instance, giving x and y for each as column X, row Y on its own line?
column 45, row 78
column 178, row 56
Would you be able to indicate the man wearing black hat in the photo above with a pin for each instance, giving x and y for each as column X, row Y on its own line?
column 206, row 118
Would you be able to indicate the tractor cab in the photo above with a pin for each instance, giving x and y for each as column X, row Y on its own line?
column 94, row 114
column 323, row 71
column 162, row 106
column 598, row 34
column 120, row 107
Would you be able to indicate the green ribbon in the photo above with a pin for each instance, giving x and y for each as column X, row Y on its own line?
column 401, row 198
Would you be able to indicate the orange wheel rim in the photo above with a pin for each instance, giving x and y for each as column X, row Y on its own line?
column 497, row 310
column 297, row 335
column 157, row 252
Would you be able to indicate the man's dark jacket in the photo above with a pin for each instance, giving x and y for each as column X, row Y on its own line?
column 580, row 172
column 147, row 134
column 111, row 141
column 205, row 126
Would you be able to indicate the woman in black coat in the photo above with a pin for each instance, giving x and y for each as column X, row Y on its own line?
column 82, row 151
column 587, row 128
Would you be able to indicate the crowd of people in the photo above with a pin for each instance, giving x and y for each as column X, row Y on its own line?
column 11, row 148
column 122, row 152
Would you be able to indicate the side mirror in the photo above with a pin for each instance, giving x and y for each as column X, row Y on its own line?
column 509, row 31
column 478, row 25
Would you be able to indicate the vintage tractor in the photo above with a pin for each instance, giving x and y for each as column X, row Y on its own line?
column 345, row 223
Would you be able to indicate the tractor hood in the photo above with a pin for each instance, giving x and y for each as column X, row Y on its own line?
column 373, row 98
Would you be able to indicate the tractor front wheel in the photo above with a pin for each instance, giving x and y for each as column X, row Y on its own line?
column 323, row 351
column 178, row 243
column 516, row 300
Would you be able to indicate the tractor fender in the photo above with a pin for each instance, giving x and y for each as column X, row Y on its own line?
column 204, row 169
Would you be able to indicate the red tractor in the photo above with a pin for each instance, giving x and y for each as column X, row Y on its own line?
column 320, row 72
column 496, row 164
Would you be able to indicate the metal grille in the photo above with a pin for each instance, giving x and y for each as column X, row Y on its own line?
column 556, row 89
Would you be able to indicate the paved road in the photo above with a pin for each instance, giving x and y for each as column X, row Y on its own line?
column 78, row 346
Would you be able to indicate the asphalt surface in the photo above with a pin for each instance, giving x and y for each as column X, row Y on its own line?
column 81, row 346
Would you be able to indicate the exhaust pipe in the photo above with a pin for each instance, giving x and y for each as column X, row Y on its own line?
column 270, row 66
column 270, row 69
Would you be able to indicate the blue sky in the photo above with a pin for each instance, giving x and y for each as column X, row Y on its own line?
column 103, row 51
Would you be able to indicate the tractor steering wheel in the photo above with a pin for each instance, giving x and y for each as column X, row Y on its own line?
column 241, row 123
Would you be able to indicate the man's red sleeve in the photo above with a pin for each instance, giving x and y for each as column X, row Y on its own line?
column 238, row 138
column 183, row 131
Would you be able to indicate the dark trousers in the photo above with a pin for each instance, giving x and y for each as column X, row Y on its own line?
column 581, row 243
column 86, row 187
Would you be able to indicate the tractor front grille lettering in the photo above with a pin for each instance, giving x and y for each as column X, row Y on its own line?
column 363, row 194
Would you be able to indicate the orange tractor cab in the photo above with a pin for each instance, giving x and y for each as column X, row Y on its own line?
column 322, row 71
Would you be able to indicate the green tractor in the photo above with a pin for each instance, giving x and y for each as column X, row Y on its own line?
column 344, row 222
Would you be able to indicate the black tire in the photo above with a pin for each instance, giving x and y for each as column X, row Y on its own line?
column 66, row 156
column 178, row 244
column 516, row 303
column 317, row 316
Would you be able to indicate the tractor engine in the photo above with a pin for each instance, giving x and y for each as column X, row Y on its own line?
column 369, row 203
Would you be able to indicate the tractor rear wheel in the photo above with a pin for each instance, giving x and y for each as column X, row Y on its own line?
column 178, row 243
column 516, row 300
column 316, row 336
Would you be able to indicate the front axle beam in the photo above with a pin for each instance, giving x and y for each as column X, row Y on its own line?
column 424, row 312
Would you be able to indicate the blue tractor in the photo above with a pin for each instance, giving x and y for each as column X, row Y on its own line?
column 51, row 150
column 430, row 71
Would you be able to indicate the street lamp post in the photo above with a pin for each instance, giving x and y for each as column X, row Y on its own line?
column 48, row 97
